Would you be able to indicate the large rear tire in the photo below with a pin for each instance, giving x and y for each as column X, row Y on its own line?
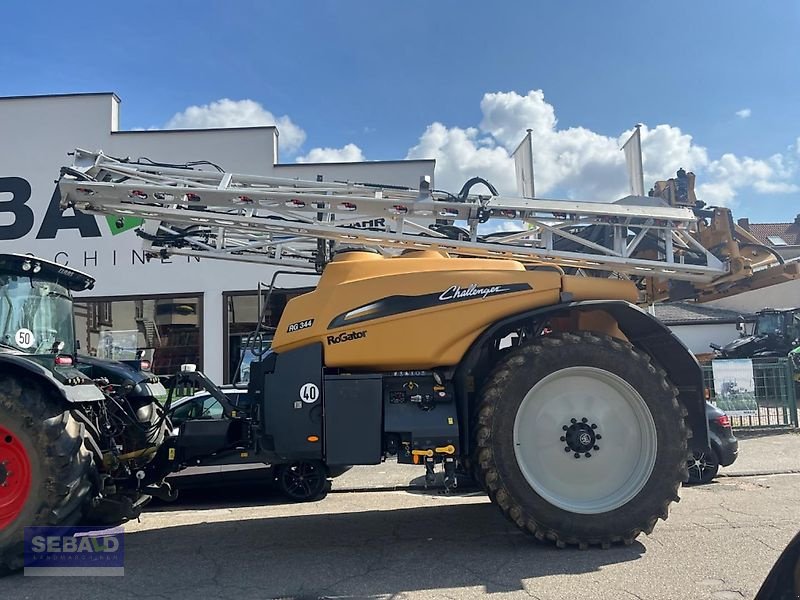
column 581, row 440
column 48, row 475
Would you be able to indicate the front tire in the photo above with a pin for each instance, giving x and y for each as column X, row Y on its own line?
column 48, row 475
column 581, row 440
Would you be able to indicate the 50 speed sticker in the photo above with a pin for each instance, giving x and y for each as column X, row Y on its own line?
column 23, row 338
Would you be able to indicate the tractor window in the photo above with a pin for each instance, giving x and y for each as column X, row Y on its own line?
column 769, row 324
column 794, row 327
column 35, row 315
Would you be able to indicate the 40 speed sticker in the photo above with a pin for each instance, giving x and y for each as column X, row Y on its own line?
column 309, row 393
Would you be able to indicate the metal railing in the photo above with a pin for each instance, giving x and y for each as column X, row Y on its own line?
column 775, row 394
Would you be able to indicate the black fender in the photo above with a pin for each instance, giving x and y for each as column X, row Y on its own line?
column 83, row 390
column 641, row 328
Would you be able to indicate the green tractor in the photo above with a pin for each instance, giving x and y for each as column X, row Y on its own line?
column 76, row 433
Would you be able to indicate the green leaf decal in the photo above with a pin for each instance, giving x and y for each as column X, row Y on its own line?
column 122, row 224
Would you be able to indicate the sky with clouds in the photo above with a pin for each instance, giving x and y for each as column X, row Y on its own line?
column 715, row 85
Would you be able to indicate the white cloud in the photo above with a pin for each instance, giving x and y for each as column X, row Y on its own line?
column 583, row 164
column 775, row 187
column 347, row 153
column 574, row 162
column 460, row 155
column 238, row 113
column 716, row 193
column 744, row 113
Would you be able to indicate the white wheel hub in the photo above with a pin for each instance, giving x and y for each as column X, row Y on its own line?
column 585, row 440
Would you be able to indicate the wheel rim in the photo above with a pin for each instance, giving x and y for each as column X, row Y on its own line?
column 15, row 477
column 585, row 440
column 701, row 465
column 302, row 480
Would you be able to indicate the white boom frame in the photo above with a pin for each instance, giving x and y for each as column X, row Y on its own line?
column 274, row 220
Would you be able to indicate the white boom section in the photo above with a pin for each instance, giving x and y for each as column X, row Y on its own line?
column 273, row 220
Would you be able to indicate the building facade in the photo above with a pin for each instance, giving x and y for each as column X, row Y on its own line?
column 783, row 238
column 177, row 310
column 700, row 325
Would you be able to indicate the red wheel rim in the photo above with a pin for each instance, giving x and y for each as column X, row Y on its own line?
column 15, row 477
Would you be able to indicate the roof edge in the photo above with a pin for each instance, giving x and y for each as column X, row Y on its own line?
column 362, row 162
column 65, row 95
column 195, row 130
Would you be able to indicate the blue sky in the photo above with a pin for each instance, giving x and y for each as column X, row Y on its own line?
column 452, row 80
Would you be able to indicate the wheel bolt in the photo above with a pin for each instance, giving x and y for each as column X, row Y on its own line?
column 594, row 426
column 596, row 448
column 577, row 455
column 563, row 439
column 567, row 449
column 588, row 455
column 564, row 427
column 584, row 420
column 573, row 420
column 598, row 437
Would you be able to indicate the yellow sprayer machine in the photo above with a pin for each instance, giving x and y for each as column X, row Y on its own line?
column 466, row 331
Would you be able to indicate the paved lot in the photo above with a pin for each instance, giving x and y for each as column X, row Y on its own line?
column 759, row 454
column 719, row 543
column 766, row 453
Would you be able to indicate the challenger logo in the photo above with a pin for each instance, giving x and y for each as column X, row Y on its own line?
column 456, row 292
column 347, row 336
column 401, row 304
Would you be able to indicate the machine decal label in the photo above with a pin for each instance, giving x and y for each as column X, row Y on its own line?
column 309, row 393
column 456, row 292
column 395, row 305
column 24, row 338
column 300, row 325
column 347, row 336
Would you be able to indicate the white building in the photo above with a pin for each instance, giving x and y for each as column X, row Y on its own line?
column 181, row 309
column 699, row 325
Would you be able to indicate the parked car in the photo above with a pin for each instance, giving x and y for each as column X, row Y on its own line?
column 723, row 450
column 296, row 482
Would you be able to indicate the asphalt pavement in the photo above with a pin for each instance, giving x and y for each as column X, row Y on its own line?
column 719, row 543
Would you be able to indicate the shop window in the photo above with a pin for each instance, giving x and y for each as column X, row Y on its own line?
column 241, row 323
column 164, row 330
column 99, row 315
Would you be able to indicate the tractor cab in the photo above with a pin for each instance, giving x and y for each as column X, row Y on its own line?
column 36, row 305
column 776, row 333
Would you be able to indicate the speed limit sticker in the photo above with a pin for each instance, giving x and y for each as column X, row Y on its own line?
column 24, row 338
column 309, row 393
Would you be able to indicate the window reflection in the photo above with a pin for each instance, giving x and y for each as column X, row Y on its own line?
column 164, row 330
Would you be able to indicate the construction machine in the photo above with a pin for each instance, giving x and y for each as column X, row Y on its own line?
column 437, row 336
column 75, row 431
